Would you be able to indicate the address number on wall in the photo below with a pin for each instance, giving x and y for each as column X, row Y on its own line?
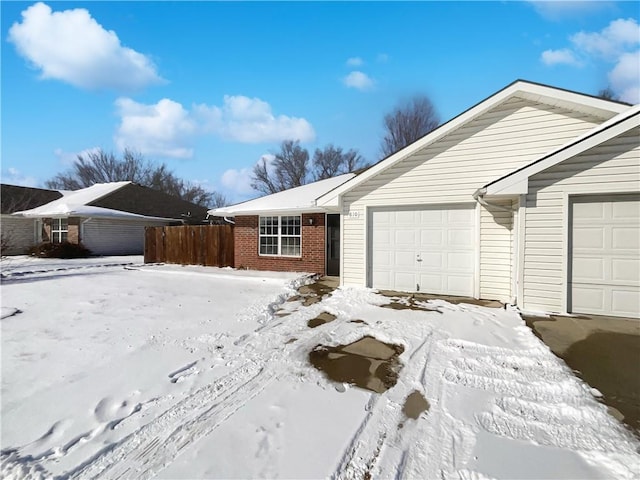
column 351, row 214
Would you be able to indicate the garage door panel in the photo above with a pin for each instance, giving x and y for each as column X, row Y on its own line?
column 460, row 237
column 589, row 297
column 458, row 284
column 626, row 270
column 460, row 262
column 585, row 237
column 405, row 237
column 431, row 238
column 584, row 212
column 404, row 281
column 404, row 259
column 625, row 238
column 430, row 217
column 427, row 246
column 588, row 269
column 626, row 301
column 605, row 255
column 627, row 210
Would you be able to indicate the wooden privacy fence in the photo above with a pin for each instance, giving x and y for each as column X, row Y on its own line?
column 210, row 245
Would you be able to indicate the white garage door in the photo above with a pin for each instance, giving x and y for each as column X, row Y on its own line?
column 424, row 249
column 113, row 237
column 605, row 255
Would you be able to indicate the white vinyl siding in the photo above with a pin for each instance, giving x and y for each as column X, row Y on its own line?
column 114, row 237
column 612, row 167
column 19, row 233
column 496, row 251
column 450, row 170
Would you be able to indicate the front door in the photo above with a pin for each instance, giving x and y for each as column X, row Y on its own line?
column 333, row 245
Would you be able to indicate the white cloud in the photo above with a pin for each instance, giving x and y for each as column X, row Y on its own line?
column 238, row 181
column 611, row 42
column 625, row 79
column 616, row 44
column 13, row 176
column 71, row 46
column 560, row 57
column 359, row 80
column 558, row 10
column 355, row 62
column 68, row 158
column 167, row 128
column 164, row 128
column 382, row 58
column 251, row 120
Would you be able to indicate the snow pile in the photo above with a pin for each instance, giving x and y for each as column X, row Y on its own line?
column 195, row 372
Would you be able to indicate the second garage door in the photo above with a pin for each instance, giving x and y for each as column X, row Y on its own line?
column 431, row 249
column 605, row 255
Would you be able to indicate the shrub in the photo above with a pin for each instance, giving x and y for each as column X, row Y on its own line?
column 59, row 250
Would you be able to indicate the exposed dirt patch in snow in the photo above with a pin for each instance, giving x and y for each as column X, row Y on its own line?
column 367, row 363
column 418, row 301
column 415, row 404
column 324, row 317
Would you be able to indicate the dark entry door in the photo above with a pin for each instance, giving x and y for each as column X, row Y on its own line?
column 333, row 245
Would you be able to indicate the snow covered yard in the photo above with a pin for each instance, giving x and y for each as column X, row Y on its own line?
column 115, row 369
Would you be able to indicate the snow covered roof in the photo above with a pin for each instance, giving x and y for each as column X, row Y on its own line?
column 295, row 200
column 77, row 204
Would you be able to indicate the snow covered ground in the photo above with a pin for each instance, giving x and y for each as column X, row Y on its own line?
column 115, row 369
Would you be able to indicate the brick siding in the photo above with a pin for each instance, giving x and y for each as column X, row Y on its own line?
column 313, row 247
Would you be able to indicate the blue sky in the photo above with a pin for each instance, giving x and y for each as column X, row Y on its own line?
column 211, row 87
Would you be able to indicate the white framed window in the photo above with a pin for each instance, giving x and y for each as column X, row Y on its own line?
column 59, row 230
column 281, row 235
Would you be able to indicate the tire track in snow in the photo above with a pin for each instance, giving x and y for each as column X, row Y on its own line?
column 539, row 400
column 151, row 448
column 158, row 442
column 374, row 446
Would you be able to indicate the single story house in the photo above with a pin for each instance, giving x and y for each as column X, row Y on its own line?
column 110, row 218
column 531, row 197
column 287, row 231
column 18, row 234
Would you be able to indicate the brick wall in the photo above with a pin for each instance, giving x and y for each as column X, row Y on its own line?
column 313, row 247
column 73, row 226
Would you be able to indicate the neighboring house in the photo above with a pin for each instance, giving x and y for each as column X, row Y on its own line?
column 531, row 197
column 19, row 234
column 110, row 218
column 287, row 231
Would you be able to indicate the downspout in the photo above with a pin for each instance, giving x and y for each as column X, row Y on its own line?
column 228, row 220
column 478, row 196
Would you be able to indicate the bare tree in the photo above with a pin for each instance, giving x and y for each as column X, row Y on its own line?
column 407, row 122
column 289, row 169
column 332, row 161
column 103, row 167
column 607, row 94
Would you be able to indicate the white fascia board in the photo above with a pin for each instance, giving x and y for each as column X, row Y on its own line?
column 517, row 182
column 531, row 91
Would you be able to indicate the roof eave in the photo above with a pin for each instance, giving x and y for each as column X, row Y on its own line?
column 532, row 91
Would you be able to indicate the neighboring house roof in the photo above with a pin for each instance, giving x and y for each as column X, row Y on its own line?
column 124, row 200
column 578, row 102
column 14, row 198
column 516, row 182
column 295, row 200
